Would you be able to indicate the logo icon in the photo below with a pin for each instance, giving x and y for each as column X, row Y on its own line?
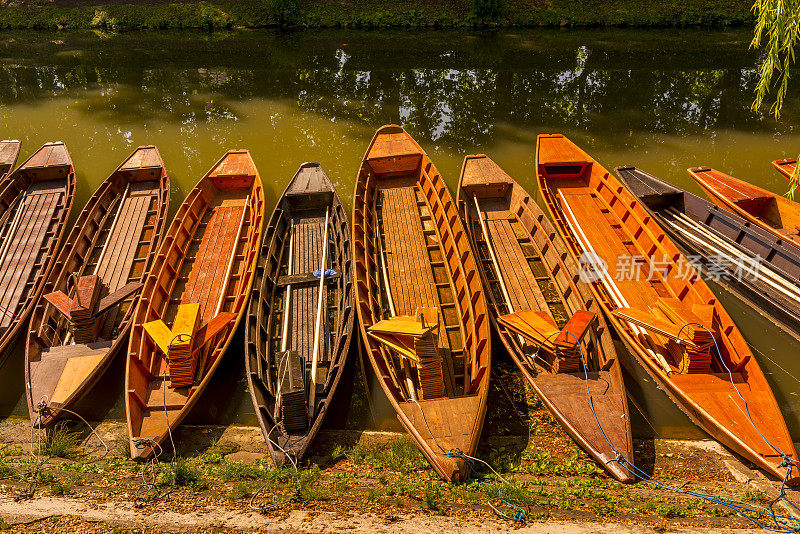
column 592, row 267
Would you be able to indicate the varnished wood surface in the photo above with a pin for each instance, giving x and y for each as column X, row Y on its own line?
column 35, row 201
column 302, row 209
column 401, row 200
column 208, row 258
column 772, row 212
column 115, row 237
column 785, row 166
column 689, row 220
column 540, row 276
column 616, row 226
column 9, row 151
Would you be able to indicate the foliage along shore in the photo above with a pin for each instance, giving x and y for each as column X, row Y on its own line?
column 121, row 15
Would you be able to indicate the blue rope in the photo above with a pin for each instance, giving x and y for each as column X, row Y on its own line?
column 739, row 509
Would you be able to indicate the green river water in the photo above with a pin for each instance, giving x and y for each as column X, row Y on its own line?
column 662, row 100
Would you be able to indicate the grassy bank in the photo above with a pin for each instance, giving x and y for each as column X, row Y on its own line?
column 127, row 15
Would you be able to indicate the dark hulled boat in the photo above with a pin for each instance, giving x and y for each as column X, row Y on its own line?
column 759, row 268
column 300, row 318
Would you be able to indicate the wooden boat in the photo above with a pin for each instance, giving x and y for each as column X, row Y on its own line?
column 525, row 268
column 198, row 284
column 35, row 201
column 294, row 360
column 419, row 299
column 785, row 166
column 108, row 253
column 667, row 316
column 9, row 150
column 774, row 213
column 750, row 262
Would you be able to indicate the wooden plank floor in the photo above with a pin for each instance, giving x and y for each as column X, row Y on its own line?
column 122, row 246
column 517, row 274
column 42, row 199
column 217, row 245
column 407, row 262
column 450, row 420
column 307, row 251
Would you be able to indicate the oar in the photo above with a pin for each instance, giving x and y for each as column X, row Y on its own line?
column 412, row 391
column 312, row 393
column 611, row 287
column 287, row 295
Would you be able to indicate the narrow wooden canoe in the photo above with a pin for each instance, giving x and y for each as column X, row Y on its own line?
column 114, row 239
column 785, row 166
column 750, row 262
column 599, row 218
column 774, row 213
column 9, row 150
column 537, row 274
column 413, row 258
column 198, row 284
column 275, row 340
column 35, row 201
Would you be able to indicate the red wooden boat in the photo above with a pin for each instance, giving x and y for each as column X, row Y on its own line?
column 193, row 299
column 422, row 311
column 35, row 201
column 667, row 316
column 525, row 268
column 774, row 213
column 785, row 166
column 113, row 244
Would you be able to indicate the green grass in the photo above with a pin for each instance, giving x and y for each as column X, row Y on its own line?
column 398, row 455
column 233, row 471
column 60, row 442
column 185, row 474
column 305, row 488
column 433, row 496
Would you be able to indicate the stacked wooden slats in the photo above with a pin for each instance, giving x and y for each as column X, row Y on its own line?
column 697, row 321
column 82, row 309
column 562, row 349
column 291, row 385
column 181, row 361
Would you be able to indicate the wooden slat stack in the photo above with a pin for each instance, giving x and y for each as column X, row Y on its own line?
column 82, row 309
column 697, row 357
column 179, row 355
column 291, row 385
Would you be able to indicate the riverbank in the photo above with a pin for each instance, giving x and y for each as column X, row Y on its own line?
column 129, row 15
column 370, row 481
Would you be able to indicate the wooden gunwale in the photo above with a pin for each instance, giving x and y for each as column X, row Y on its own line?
column 233, row 182
column 94, row 228
column 782, row 219
column 14, row 190
column 702, row 229
column 573, row 295
column 265, row 315
column 785, row 167
column 693, row 393
column 464, row 411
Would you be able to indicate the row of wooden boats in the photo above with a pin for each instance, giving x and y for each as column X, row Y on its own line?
column 427, row 276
